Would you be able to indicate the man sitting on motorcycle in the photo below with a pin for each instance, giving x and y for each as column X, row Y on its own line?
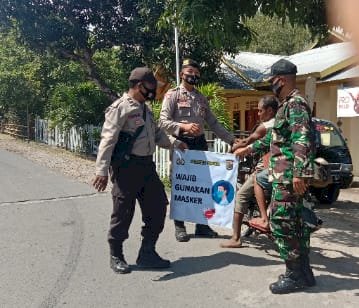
column 262, row 186
column 262, row 189
column 267, row 108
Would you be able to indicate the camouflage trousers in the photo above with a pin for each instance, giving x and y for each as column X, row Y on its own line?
column 291, row 236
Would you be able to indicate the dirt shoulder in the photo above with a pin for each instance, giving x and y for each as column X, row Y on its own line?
column 67, row 163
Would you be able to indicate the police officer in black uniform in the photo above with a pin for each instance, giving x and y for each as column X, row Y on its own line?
column 134, row 177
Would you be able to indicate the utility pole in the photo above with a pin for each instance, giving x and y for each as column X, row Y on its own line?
column 177, row 58
column 28, row 122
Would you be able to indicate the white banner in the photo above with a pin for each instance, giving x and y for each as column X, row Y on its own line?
column 348, row 102
column 203, row 187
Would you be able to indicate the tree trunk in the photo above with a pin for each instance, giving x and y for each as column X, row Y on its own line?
column 86, row 60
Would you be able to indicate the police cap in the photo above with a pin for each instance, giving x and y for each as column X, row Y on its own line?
column 190, row 62
column 142, row 74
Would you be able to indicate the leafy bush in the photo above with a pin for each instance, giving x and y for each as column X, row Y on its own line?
column 156, row 109
column 213, row 92
column 76, row 105
column 167, row 183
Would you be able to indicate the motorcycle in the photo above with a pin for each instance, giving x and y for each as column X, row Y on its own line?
column 310, row 219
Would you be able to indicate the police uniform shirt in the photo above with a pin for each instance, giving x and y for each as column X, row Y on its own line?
column 182, row 106
column 126, row 114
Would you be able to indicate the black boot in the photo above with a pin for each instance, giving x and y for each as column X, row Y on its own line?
column 307, row 271
column 205, row 231
column 180, row 232
column 119, row 265
column 149, row 258
column 293, row 279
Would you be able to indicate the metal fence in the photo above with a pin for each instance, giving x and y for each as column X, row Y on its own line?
column 86, row 140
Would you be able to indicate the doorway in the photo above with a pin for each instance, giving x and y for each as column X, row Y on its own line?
column 252, row 119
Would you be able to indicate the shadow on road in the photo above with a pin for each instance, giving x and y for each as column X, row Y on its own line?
column 341, row 226
column 341, row 221
column 344, row 207
column 335, row 269
column 329, row 284
column 336, row 262
column 343, row 269
column 195, row 265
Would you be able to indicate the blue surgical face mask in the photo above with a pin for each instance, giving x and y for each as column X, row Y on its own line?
column 220, row 194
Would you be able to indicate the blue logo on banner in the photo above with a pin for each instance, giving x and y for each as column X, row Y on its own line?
column 222, row 192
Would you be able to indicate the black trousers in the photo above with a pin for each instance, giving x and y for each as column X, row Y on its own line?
column 194, row 143
column 139, row 180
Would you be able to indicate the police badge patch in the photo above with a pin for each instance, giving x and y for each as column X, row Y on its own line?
column 180, row 161
column 229, row 164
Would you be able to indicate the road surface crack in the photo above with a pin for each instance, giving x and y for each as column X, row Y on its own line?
column 53, row 199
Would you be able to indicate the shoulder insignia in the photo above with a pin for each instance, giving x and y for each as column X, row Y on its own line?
column 170, row 92
column 117, row 102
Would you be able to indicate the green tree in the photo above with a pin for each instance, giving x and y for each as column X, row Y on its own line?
column 143, row 29
column 73, row 100
column 276, row 36
column 73, row 30
column 41, row 83
column 21, row 72
column 76, row 105
column 222, row 23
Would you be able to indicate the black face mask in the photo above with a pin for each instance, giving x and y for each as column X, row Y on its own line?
column 277, row 88
column 191, row 79
column 150, row 94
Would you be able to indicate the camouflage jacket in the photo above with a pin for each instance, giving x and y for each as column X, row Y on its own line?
column 290, row 141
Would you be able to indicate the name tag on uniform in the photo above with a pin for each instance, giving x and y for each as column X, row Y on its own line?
column 182, row 104
column 135, row 115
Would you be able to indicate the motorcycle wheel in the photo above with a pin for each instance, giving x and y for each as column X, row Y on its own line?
column 327, row 195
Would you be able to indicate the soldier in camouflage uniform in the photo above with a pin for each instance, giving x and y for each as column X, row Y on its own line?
column 290, row 169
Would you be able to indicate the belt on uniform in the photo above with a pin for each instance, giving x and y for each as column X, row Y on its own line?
column 190, row 138
column 147, row 158
column 198, row 143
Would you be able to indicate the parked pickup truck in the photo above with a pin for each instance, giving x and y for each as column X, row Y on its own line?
column 332, row 146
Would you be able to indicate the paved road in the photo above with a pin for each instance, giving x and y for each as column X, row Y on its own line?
column 54, row 253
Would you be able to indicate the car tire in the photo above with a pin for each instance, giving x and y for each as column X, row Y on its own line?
column 329, row 194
